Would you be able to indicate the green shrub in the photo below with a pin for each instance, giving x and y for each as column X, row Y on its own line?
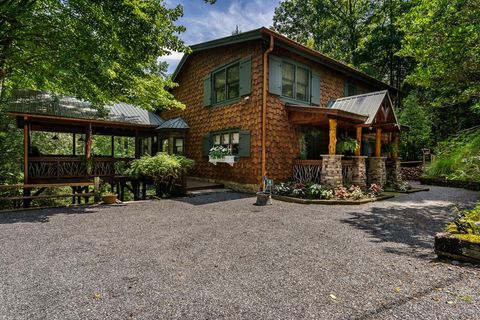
column 164, row 169
column 458, row 158
column 465, row 226
column 346, row 144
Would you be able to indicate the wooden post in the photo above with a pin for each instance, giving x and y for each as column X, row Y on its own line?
column 378, row 143
column 96, row 189
column 26, row 136
column 395, row 139
column 359, row 141
column 332, row 146
column 113, row 146
column 74, row 141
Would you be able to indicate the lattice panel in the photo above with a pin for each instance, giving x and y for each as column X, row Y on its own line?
column 103, row 168
column 304, row 173
column 42, row 169
column 71, row 168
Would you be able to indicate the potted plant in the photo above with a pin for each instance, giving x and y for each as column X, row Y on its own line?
column 346, row 145
column 109, row 198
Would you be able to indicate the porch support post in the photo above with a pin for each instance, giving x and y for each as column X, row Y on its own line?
column 377, row 171
column 332, row 146
column 331, row 170
column 26, row 136
column 395, row 139
column 88, row 142
column 378, row 143
column 359, row 171
column 74, row 144
column 359, row 141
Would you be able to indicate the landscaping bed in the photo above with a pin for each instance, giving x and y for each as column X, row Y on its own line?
column 313, row 193
column 461, row 241
column 444, row 182
column 412, row 190
column 330, row 202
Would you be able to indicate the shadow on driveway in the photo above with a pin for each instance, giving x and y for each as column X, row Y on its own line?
column 215, row 197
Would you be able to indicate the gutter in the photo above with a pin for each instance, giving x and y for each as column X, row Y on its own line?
column 264, row 108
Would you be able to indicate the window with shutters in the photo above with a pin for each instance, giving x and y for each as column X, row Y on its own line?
column 227, row 83
column 236, row 140
column 293, row 81
column 227, row 139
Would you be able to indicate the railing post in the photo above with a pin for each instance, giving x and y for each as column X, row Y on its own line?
column 96, row 189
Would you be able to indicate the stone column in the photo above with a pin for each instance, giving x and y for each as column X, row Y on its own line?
column 359, row 174
column 377, row 172
column 332, row 170
column 394, row 173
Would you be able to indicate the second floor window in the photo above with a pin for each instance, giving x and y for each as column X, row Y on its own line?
column 295, row 82
column 226, row 84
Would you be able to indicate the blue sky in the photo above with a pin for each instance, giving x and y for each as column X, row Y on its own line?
column 206, row 22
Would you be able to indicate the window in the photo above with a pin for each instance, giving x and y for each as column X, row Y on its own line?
column 226, row 84
column 293, row 80
column 164, row 145
column 179, row 146
column 350, row 89
column 230, row 140
column 238, row 141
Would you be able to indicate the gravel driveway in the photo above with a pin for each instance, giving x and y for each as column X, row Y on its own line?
column 218, row 256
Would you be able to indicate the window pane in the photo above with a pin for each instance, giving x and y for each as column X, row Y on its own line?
column 216, row 140
column 165, row 145
column 302, row 84
column 225, row 138
column 235, row 137
column 288, row 76
column 233, row 81
column 179, row 146
column 219, row 86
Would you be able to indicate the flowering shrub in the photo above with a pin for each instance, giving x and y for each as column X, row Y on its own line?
column 342, row 193
column 375, row 189
column 219, row 152
column 317, row 191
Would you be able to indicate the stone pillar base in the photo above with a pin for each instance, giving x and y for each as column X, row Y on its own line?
column 359, row 172
column 332, row 170
column 394, row 172
column 377, row 172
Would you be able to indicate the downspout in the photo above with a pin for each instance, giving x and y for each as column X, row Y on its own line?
column 264, row 107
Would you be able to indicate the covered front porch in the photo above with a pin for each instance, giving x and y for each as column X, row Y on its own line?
column 368, row 121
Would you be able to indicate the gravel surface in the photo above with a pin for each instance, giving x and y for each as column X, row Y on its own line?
column 219, row 256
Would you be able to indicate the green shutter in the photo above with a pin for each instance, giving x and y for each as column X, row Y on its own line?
column 275, row 75
column 206, row 145
column 315, row 98
column 245, row 76
column 244, row 144
column 207, row 90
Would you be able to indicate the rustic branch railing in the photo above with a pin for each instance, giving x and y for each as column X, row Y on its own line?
column 347, row 171
column 64, row 167
column 304, row 171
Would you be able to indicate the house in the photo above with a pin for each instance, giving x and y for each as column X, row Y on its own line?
column 280, row 107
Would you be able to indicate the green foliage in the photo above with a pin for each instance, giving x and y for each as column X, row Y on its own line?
column 418, row 136
column 346, row 144
column 361, row 33
column 101, row 51
column 465, row 225
column 443, row 37
column 317, row 191
column 162, row 168
column 219, row 152
column 458, row 158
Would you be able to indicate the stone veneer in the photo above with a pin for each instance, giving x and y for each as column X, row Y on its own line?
column 377, row 172
column 332, row 170
column 359, row 172
column 394, row 172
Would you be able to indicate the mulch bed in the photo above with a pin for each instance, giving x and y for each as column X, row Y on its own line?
column 330, row 202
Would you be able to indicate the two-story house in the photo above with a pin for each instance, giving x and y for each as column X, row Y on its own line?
column 280, row 107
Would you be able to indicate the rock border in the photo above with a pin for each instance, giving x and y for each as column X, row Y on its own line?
column 330, row 202
column 471, row 185
column 413, row 190
column 451, row 247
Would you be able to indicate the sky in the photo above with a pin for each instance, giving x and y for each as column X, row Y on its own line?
column 206, row 22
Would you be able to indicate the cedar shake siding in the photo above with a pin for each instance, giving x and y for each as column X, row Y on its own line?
column 282, row 144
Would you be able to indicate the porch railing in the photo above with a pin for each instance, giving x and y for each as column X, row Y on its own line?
column 307, row 171
column 68, row 167
column 347, row 171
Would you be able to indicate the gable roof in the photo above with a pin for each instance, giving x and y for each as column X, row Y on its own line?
column 174, row 124
column 45, row 104
column 369, row 104
column 282, row 41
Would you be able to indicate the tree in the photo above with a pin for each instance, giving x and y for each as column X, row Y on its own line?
column 443, row 36
column 102, row 51
column 361, row 33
